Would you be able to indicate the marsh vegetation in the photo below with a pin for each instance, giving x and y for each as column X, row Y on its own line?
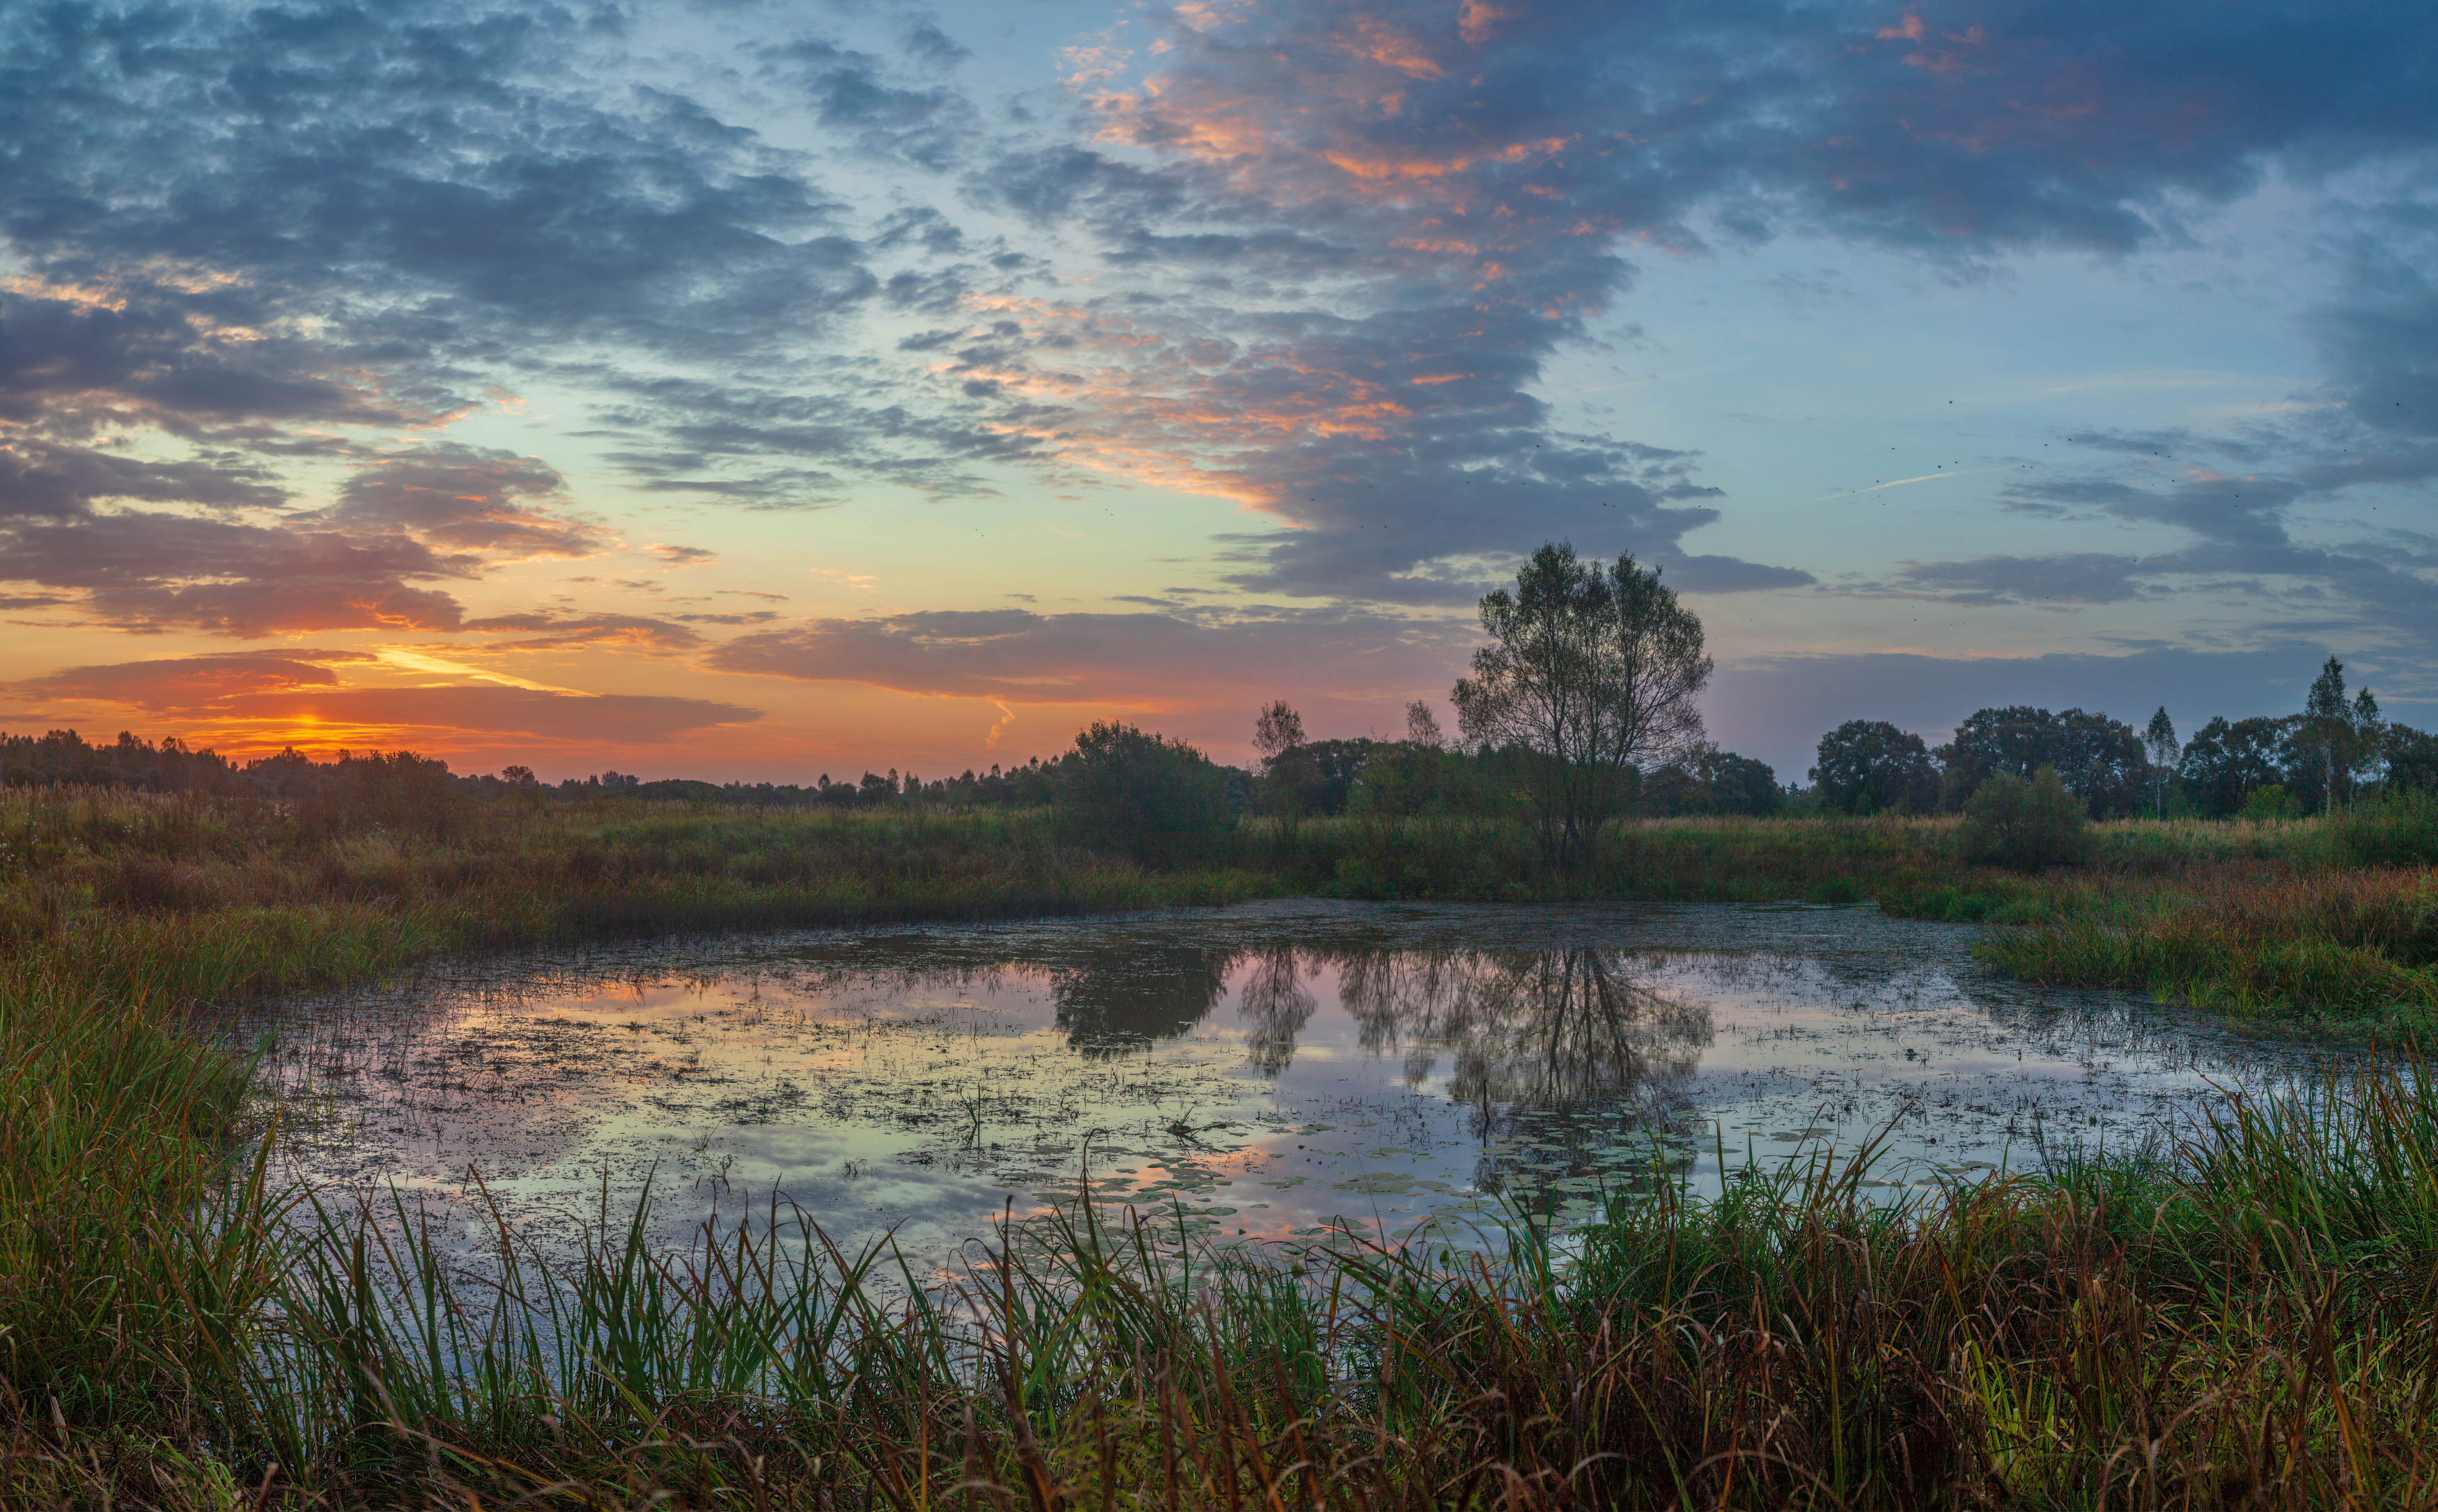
column 2240, row 1314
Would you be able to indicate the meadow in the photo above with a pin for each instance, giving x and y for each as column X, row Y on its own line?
column 2245, row 1319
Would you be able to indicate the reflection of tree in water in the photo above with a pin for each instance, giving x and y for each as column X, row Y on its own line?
column 1121, row 998
column 1275, row 1006
column 1572, row 1045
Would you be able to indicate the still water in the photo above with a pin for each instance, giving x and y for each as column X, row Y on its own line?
column 1260, row 1070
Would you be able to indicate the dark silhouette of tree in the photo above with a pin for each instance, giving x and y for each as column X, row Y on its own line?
column 2411, row 758
column 2337, row 742
column 2010, row 822
column 1286, row 774
column 2100, row 760
column 1275, row 1006
column 1870, row 767
column 2226, row 762
column 2327, row 734
column 1594, row 671
column 1120, row 997
column 1158, row 800
column 1711, row 781
column 2158, row 742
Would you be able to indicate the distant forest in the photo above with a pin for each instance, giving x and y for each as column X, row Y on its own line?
column 2336, row 750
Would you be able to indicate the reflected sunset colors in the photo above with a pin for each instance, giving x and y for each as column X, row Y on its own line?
column 1263, row 1069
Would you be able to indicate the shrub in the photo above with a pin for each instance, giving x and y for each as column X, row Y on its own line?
column 2010, row 822
column 2269, row 802
column 1156, row 799
column 2399, row 829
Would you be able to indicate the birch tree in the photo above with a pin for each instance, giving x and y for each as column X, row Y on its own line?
column 1593, row 671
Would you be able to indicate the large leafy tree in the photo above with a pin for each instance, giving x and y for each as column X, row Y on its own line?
column 2225, row 763
column 1593, row 671
column 2100, row 760
column 1711, row 781
column 1156, row 798
column 1870, row 767
column 2411, row 758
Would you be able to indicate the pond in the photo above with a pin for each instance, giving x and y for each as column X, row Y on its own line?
column 1258, row 1071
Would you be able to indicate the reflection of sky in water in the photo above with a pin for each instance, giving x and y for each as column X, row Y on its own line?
column 1262, row 1069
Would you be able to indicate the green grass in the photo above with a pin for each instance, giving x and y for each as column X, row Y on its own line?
column 2246, row 1315
column 2244, row 1320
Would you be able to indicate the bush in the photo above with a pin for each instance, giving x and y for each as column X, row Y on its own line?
column 2399, row 829
column 2010, row 822
column 2269, row 802
column 1159, row 800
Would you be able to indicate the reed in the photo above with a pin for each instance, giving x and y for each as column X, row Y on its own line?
column 2245, row 1317
column 2357, row 945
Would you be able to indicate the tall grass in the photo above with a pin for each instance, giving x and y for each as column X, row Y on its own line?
column 2245, row 1319
column 2359, row 944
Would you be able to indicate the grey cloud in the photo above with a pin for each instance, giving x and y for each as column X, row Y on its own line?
column 467, row 499
column 299, row 683
column 1397, row 155
column 544, row 630
column 191, row 683
column 928, row 127
column 158, row 570
column 927, row 43
column 1022, row 657
column 2075, row 577
column 1339, row 309
column 59, row 480
column 160, row 356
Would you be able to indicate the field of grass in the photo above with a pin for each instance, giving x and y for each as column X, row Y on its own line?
column 2247, row 1321
column 2244, row 1321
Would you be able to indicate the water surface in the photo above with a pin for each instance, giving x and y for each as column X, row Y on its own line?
column 1260, row 1070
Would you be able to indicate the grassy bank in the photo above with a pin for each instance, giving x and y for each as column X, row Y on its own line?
column 2247, row 1322
column 2309, row 923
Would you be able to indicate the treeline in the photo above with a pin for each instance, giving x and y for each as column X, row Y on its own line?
column 63, row 758
column 1319, row 778
column 2336, row 750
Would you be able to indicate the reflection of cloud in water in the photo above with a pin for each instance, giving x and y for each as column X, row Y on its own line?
column 1264, row 1067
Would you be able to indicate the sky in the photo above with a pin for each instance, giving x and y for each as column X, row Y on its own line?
column 762, row 391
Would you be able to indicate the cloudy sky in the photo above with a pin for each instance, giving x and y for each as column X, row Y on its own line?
column 762, row 390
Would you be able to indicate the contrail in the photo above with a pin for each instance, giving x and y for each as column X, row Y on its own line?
column 1850, row 493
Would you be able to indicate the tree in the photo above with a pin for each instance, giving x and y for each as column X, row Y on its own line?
column 1410, row 776
column 1277, row 730
column 2164, row 751
column 1869, row 765
column 1278, row 739
column 2411, row 758
column 1158, row 800
column 2225, row 764
column 2338, row 741
column 1711, row 781
column 2370, row 739
column 2327, row 730
column 1591, row 670
column 2100, row 760
column 2010, row 822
